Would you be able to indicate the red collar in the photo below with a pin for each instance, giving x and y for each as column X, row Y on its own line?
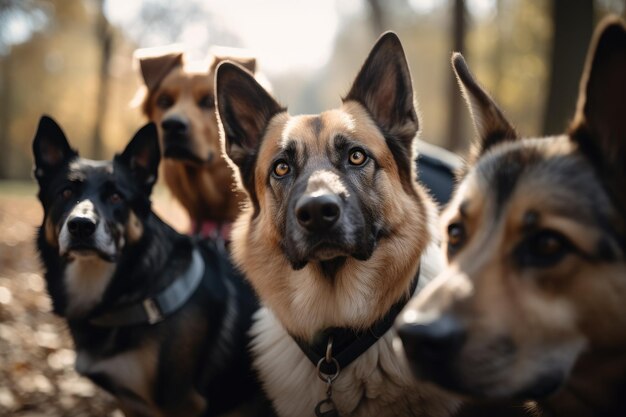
column 211, row 229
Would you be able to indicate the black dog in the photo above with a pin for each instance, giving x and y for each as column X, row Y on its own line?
column 158, row 319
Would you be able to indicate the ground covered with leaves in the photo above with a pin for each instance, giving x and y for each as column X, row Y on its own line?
column 37, row 376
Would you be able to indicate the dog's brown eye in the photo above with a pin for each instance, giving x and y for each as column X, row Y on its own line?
column 548, row 245
column 67, row 193
column 165, row 101
column 115, row 198
column 281, row 168
column 207, row 102
column 357, row 157
column 543, row 249
column 456, row 235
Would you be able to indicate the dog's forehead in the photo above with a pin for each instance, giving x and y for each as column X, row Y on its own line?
column 180, row 78
column 545, row 175
column 88, row 170
column 314, row 134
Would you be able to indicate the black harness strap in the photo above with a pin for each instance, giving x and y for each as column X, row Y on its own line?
column 348, row 344
column 155, row 309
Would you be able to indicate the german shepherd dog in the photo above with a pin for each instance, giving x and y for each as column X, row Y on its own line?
column 157, row 319
column 532, row 303
column 180, row 100
column 336, row 235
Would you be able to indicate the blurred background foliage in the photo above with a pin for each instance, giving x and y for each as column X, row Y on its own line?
column 72, row 59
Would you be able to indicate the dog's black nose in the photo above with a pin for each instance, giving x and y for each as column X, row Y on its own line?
column 318, row 212
column 437, row 340
column 81, row 227
column 175, row 125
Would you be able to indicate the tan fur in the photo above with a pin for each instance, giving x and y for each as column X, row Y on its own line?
column 134, row 228
column 51, row 233
column 134, row 370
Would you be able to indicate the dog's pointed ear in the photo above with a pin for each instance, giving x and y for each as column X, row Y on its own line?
column 142, row 156
column 155, row 68
column 489, row 121
column 51, row 149
column 383, row 86
column 599, row 126
column 244, row 110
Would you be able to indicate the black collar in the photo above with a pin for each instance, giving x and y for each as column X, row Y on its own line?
column 156, row 308
column 348, row 344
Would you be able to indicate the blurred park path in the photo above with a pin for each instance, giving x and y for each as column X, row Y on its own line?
column 36, row 356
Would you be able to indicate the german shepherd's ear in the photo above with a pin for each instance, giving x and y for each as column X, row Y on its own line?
column 599, row 126
column 155, row 68
column 50, row 148
column 384, row 87
column 244, row 109
column 142, row 156
column 489, row 121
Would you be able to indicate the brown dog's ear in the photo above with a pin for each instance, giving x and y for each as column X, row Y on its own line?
column 244, row 109
column 383, row 86
column 489, row 121
column 239, row 56
column 155, row 68
column 599, row 125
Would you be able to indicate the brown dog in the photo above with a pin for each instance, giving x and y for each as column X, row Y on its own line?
column 180, row 100
column 533, row 302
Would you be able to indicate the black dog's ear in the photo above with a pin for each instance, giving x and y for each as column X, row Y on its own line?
column 383, row 86
column 489, row 121
column 50, row 147
column 244, row 109
column 599, row 126
column 142, row 156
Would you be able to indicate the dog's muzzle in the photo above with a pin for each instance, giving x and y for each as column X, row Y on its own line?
column 323, row 225
column 84, row 233
column 177, row 141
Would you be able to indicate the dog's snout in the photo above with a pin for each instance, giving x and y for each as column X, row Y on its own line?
column 319, row 212
column 81, row 226
column 175, row 126
column 437, row 340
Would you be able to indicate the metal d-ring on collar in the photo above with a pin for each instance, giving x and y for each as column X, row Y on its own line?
column 331, row 410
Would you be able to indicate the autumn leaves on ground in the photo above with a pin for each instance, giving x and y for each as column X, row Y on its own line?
column 37, row 375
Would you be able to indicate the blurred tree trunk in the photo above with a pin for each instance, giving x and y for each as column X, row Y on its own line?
column 573, row 26
column 5, row 109
column 499, row 49
column 456, row 142
column 104, row 37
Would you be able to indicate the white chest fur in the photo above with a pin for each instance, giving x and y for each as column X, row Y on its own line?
column 86, row 279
